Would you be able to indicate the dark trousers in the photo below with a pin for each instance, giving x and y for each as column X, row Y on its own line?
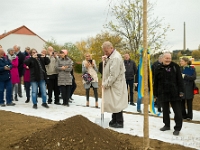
column 52, row 86
column 189, row 113
column 27, row 86
column 65, row 91
column 20, row 86
column 176, row 106
column 73, row 87
column 118, row 117
column 130, row 84
column 158, row 103
column 95, row 94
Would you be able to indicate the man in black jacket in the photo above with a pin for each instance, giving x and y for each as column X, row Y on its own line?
column 154, row 66
column 168, row 88
column 21, row 57
column 131, row 70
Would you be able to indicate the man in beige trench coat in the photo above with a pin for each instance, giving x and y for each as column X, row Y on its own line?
column 114, row 84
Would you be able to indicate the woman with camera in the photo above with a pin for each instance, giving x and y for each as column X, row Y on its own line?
column 36, row 64
column 89, row 66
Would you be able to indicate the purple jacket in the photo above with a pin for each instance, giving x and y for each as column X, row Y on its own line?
column 26, row 72
column 14, row 71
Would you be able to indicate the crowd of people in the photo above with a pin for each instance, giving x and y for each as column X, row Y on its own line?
column 38, row 71
column 172, row 84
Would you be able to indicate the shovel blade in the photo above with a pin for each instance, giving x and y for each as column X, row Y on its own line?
column 102, row 122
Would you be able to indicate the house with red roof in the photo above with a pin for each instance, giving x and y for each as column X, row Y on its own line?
column 23, row 37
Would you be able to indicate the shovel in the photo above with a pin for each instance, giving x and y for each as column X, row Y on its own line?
column 103, row 122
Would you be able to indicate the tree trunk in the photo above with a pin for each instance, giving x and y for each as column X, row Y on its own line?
column 145, row 98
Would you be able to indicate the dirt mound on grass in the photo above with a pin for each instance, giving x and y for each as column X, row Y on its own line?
column 75, row 133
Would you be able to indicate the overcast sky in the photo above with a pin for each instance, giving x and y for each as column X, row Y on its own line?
column 73, row 20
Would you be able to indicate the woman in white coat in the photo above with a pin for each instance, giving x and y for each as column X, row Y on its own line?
column 89, row 66
column 114, row 84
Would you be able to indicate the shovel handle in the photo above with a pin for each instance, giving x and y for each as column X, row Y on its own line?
column 102, row 99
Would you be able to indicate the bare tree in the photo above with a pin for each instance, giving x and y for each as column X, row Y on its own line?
column 128, row 24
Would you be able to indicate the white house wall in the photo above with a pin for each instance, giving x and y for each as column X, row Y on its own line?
column 23, row 41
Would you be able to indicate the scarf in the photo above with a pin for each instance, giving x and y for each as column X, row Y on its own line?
column 11, row 57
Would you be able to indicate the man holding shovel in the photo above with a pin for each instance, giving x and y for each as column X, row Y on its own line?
column 115, row 96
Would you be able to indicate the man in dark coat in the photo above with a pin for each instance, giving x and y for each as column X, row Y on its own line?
column 154, row 66
column 21, row 57
column 168, row 88
column 130, row 73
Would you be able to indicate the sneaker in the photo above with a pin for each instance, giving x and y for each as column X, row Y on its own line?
column 45, row 105
column 49, row 102
column 139, row 111
column 189, row 119
column 35, row 106
column 132, row 104
column 176, row 132
column 11, row 104
column 3, row 105
column 164, row 128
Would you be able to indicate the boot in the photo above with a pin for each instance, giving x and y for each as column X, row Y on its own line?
column 28, row 99
column 16, row 99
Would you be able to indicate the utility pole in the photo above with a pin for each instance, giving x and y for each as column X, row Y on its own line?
column 184, row 39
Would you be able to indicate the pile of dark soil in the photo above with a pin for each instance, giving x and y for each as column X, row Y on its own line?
column 75, row 133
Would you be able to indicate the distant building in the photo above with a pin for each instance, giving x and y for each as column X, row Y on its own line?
column 23, row 37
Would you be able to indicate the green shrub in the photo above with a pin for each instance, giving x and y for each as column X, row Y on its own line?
column 78, row 67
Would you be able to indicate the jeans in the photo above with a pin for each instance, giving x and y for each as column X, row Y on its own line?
column 139, row 101
column 42, row 86
column 130, row 83
column 8, row 86
column 27, row 88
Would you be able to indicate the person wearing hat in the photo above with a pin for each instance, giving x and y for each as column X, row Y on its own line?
column 64, row 67
column 14, row 71
column 5, row 80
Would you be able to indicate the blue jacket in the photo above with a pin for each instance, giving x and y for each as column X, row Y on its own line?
column 4, row 74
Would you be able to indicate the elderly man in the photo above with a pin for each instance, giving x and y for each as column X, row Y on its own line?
column 5, row 80
column 21, row 57
column 52, row 77
column 114, row 85
column 168, row 88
